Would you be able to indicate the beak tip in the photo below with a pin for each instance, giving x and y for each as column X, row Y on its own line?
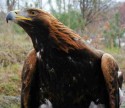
column 10, row 16
column 6, row 20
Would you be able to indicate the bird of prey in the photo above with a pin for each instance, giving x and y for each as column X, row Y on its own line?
column 62, row 71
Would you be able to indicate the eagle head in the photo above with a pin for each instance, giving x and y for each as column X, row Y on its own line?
column 35, row 22
column 30, row 17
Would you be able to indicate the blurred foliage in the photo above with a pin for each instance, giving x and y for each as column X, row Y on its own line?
column 18, row 29
column 68, row 13
column 72, row 19
column 113, row 32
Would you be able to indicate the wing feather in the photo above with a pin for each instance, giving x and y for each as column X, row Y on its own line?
column 27, row 73
column 110, row 72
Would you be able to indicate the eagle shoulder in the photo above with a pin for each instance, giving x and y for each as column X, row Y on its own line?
column 110, row 73
column 27, row 73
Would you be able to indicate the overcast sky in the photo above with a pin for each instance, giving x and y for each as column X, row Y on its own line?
column 119, row 0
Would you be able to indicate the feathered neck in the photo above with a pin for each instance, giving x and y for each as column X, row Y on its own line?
column 55, row 35
column 65, row 38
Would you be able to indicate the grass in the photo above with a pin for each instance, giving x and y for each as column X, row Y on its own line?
column 118, row 54
column 9, row 102
column 13, row 50
column 114, row 50
column 10, row 80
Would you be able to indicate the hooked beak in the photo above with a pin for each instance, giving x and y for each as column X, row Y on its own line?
column 16, row 16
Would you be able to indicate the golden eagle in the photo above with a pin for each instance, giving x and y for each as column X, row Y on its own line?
column 62, row 71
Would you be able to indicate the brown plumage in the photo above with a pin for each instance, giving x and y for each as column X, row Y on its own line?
column 27, row 74
column 65, row 71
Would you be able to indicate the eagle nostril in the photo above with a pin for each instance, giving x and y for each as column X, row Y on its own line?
column 16, row 12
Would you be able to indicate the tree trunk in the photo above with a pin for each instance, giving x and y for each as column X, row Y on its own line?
column 10, row 4
column 119, row 42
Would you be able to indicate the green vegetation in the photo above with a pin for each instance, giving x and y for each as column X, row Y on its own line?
column 18, row 29
column 14, row 45
column 12, row 57
column 114, row 32
column 72, row 19
column 9, row 102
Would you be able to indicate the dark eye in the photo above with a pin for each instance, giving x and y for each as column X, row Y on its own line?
column 33, row 13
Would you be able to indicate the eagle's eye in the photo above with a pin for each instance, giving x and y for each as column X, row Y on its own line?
column 33, row 13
